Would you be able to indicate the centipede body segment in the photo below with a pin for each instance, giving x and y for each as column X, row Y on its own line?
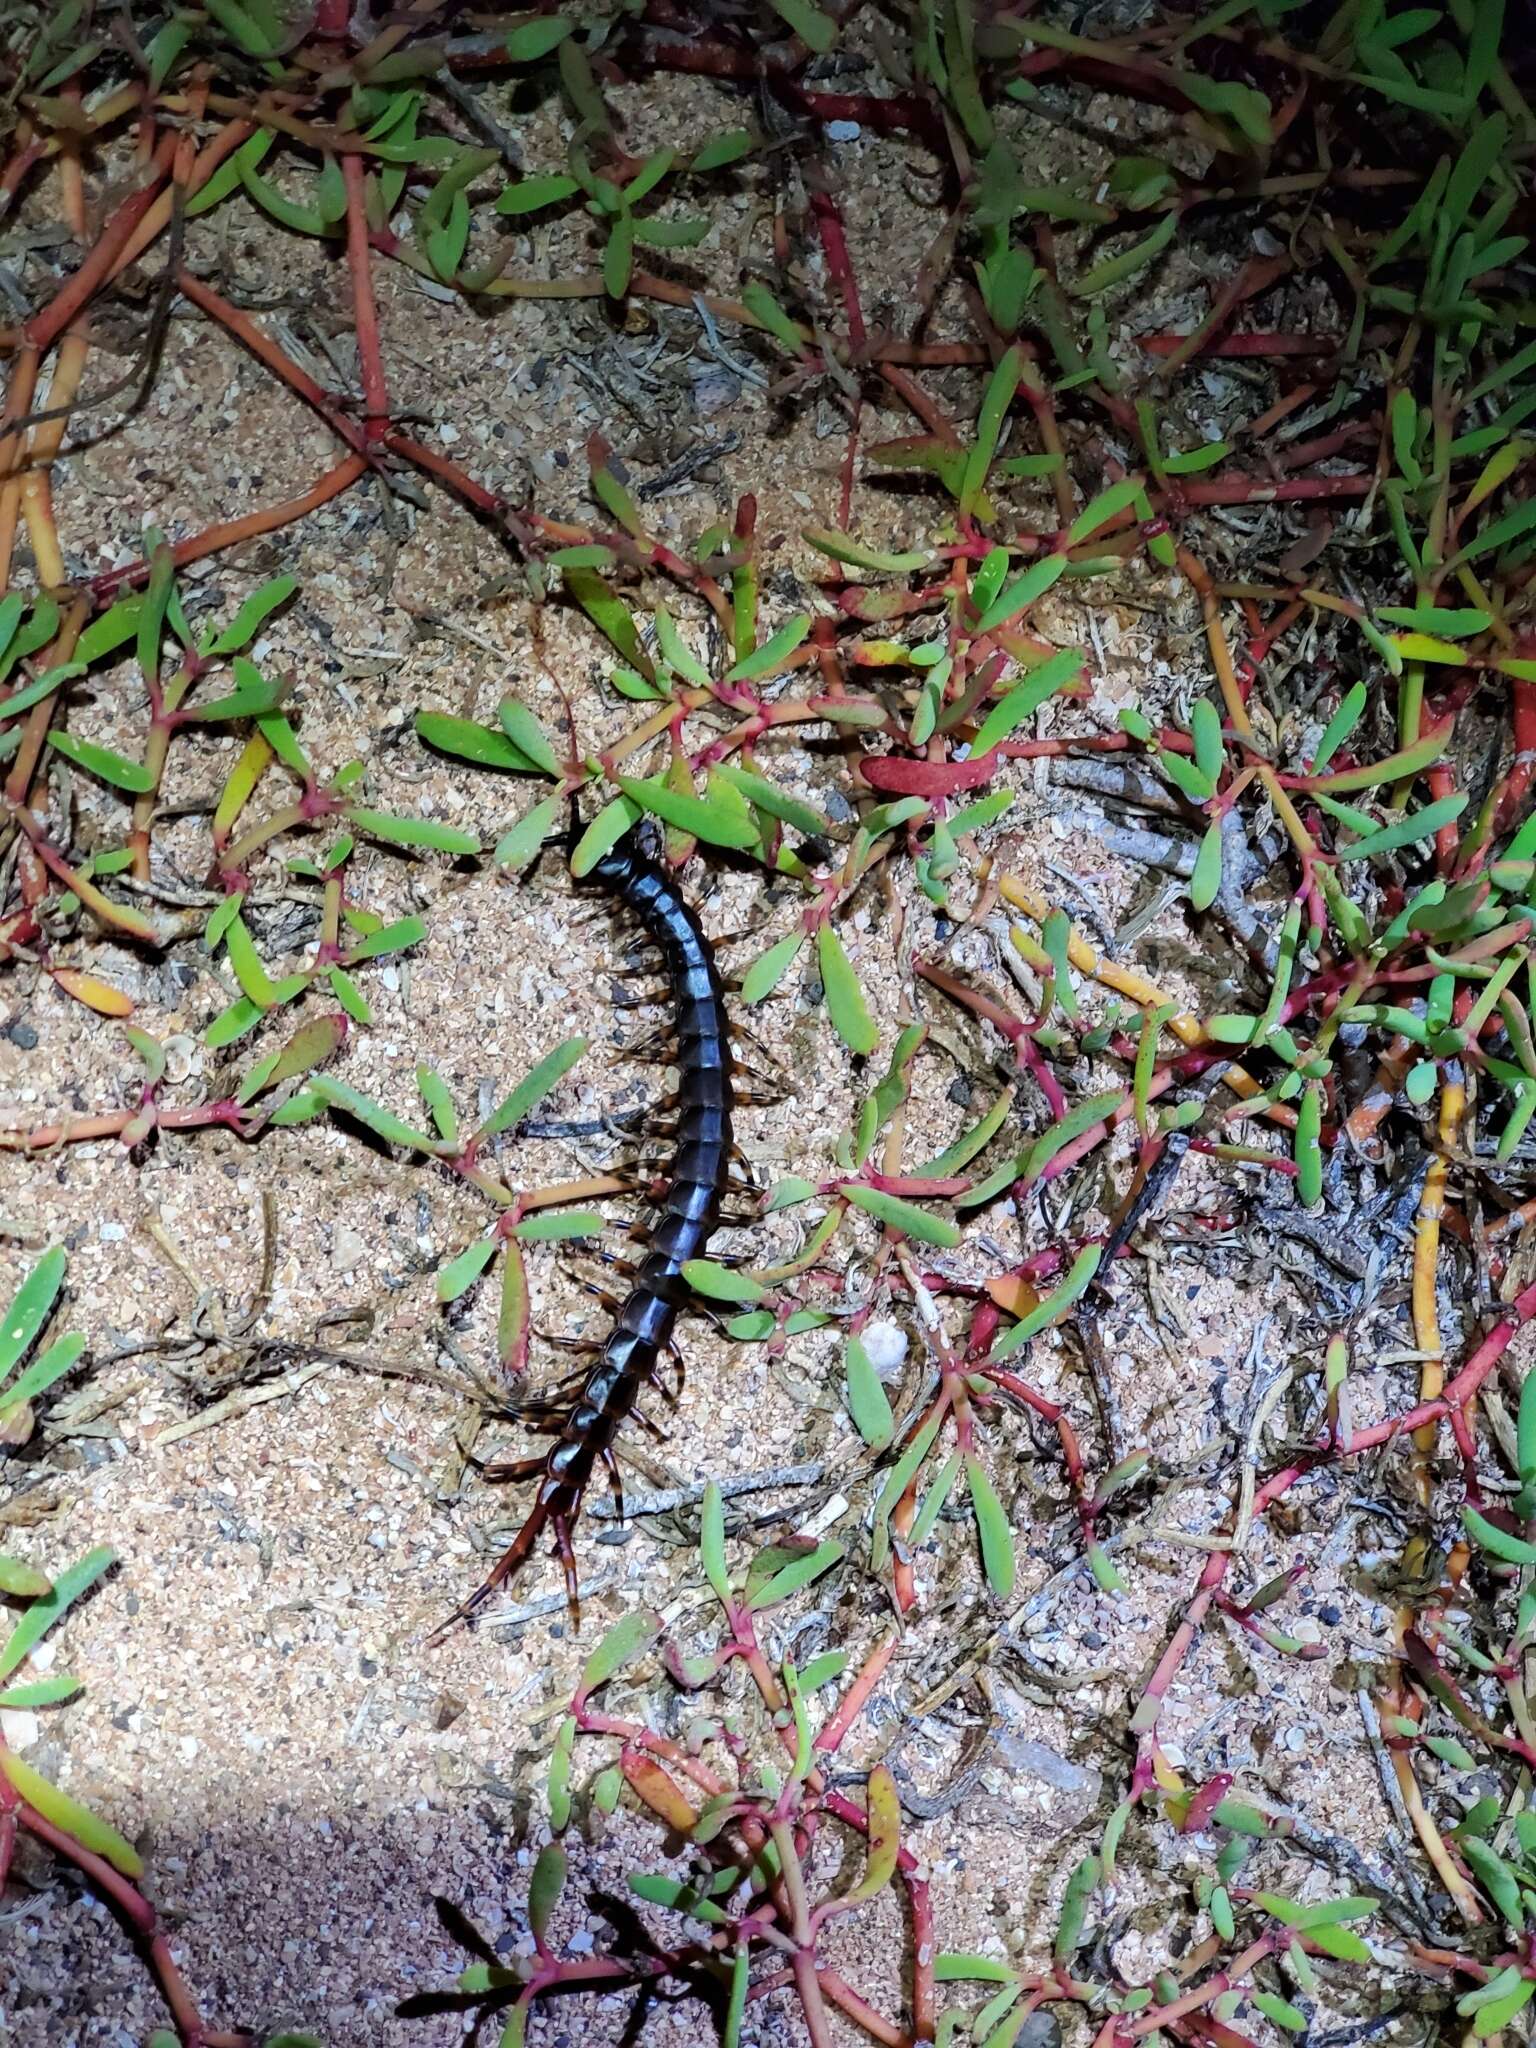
column 687, row 1214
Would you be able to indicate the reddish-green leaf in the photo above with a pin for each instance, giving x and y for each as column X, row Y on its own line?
column 381, row 1121
column 867, row 1402
column 481, row 744
column 533, row 1087
column 722, row 1283
column 791, row 1577
column 845, row 999
column 603, row 834
column 537, row 36
column 461, row 1273
column 103, row 762
column 527, row 735
column 31, row 1308
column 1042, row 683
column 1054, row 1305
column 774, row 650
column 624, row 1642
column 43, row 1613
column 545, row 1887
column 1022, row 592
column 708, row 817
column 906, row 1217
column 996, row 1536
column 70, row 1817
column 417, row 833
column 883, row 1805
column 553, row 1226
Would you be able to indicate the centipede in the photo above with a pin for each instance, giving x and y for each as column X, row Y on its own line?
column 684, row 1213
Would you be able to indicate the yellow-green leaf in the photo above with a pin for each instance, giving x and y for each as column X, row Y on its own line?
column 845, row 999
column 70, row 1817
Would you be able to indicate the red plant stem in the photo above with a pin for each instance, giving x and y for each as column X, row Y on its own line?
column 1031, row 1059
column 920, row 404
column 1227, row 489
column 228, row 533
column 919, row 1898
column 834, row 244
column 1240, row 1967
column 853, row 1701
column 1241, row 345
column 459, row 482
column 142, row 1922
column 860, row 2011
column 1264, row 641
column 1256, row 276
column 267, row 351
column 1325, row 446
column 1512, row 1221
column 712, row 57
column 49, row 322
column 365, row 311
column 389, row 439
column 1081, row 1146
column 228, row 1113
column 17, row 167
column 1522, row 713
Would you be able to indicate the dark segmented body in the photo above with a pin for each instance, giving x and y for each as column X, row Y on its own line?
column 683, row 1224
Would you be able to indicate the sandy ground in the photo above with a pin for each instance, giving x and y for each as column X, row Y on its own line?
column 263, row 1715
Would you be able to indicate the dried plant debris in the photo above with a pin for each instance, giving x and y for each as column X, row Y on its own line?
column 1122, row 765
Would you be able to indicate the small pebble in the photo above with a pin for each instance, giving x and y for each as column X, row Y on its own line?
column 885, row 1345
column 348, row 1248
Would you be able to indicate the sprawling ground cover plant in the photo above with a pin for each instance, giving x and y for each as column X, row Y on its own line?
column 1344, row 793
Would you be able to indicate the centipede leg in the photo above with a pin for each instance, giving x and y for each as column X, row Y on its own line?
column 606, row 1300
column 587, row 1345
column 567, row 1558
column 658, row 1050
column 616, row 1260
column 512, row 1469
column 615, row 1480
